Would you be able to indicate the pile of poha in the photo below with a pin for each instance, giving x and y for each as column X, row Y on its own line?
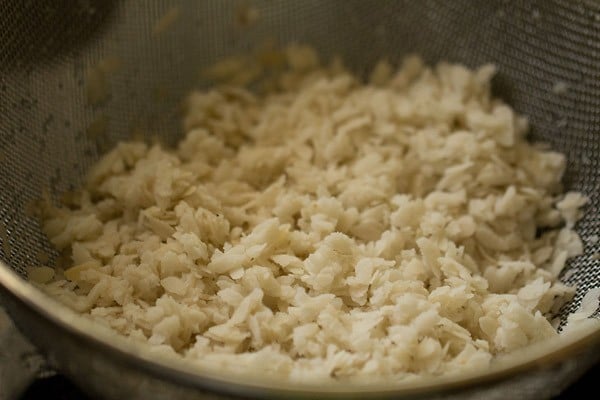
column 327, row 227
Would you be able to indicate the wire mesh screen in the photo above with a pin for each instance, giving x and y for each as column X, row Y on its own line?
column 149, row 54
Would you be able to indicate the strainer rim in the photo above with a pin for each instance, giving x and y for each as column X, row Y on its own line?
column 119, row 347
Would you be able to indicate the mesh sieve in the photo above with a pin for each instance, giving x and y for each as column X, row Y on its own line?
column 48, row 49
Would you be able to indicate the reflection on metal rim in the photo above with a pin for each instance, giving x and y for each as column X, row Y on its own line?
column 542, row 355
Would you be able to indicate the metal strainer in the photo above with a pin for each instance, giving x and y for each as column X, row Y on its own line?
column 52, row 129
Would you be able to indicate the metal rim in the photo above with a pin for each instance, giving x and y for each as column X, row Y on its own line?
column 120, row 348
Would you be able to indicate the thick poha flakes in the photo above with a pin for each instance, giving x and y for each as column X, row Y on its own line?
column 327, row 228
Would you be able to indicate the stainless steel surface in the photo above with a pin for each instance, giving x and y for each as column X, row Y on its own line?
column 110, row 367
column 49, row 50
column 19, row 360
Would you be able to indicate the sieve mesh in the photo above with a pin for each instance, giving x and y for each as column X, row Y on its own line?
column 49, row 48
